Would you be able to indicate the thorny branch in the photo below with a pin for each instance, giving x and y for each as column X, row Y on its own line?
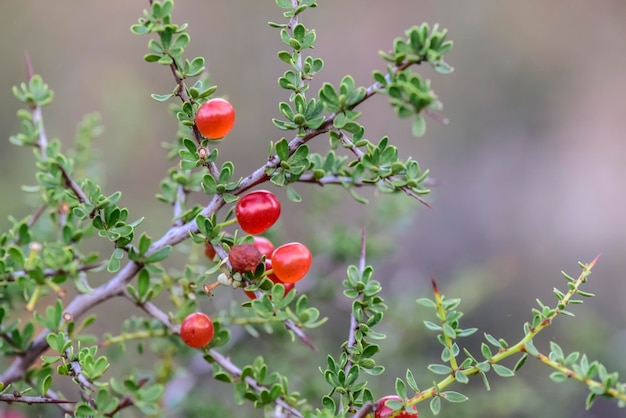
column 176, row 234
column 18, row 398
column 353, row 322
column 220, row 359
column 359, row 154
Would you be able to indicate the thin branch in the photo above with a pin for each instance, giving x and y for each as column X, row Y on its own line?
column 63, row 406
column 333, row 179
column 152, row 310
column 51, row 272
column 127, row 400
column 359, row 154
column 260, row 175
column 354, row 324
column 179, row 202
column 223, row 361
column 71, row 184
column 235, row 371
column 42, row 140
column 76, row 371
column 364, row 411
column 16, row 397
column 176, row 234
column 33, row 220
column 293, row 22
column 182, row 93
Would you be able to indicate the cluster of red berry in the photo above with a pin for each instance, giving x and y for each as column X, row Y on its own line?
column 256, row 212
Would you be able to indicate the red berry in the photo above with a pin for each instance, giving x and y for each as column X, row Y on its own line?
column 244, row 257
column 257, row 211
column 273, row 278
column 265, row 246
column 197, row 330
column 291, row 262
column 383, row 411
column 209, row 251
column 215, row 118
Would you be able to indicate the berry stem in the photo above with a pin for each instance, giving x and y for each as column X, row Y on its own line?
column 229, row 222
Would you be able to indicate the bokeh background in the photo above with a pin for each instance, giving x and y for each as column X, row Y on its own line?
column 530, row 169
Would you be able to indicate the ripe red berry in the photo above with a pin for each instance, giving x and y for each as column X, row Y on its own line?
column 291, row 262
column 197, row 330
column 383, row 411
column 215, row 118
column 265, row 246
column 244, row 257
column 257, row 211
column 209, row 251
column 273, row 278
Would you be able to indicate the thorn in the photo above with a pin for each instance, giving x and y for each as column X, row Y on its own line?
column 436, row 116
column 435, row 289
column 593, row 262
column 29, row 65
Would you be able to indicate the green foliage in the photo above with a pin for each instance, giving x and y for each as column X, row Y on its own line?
column 38, row 258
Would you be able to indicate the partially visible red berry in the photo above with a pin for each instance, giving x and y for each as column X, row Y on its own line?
column 197, row 330
column 244, row 257
column 215, row 118
column 291, row 262
column 265, row 246
column 257, row 211
column 209, row 251
column 383, row 411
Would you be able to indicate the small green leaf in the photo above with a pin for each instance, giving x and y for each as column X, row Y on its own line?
column 159, row 255
column 427, row 302
column 418, row 129
column 410, row 380
column 435, row 405
column 439, row 369
column 161, row 97
column 292, row 195
column 502, row 371
column 452, row 396
column 461, row 377
column 590, row 400
column 143, row 282
column 282, row 149
column 520, row 362
column 558, row 377
column 400, row 388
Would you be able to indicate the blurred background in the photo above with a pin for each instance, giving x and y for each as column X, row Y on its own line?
column 528, row 169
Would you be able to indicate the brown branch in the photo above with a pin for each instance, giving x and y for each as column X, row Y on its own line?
column 359, row 154
column 63, row 406
column 51, row 272
column 354, row 324
column 33, row 220
column 176, row 234
column 127, row 400
column 223, row 361
column 42, row 140
column 152, row 310
column 364, row 411
column 179, row 202
column 18, row 398
column 71, row 184
column 182, row 93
